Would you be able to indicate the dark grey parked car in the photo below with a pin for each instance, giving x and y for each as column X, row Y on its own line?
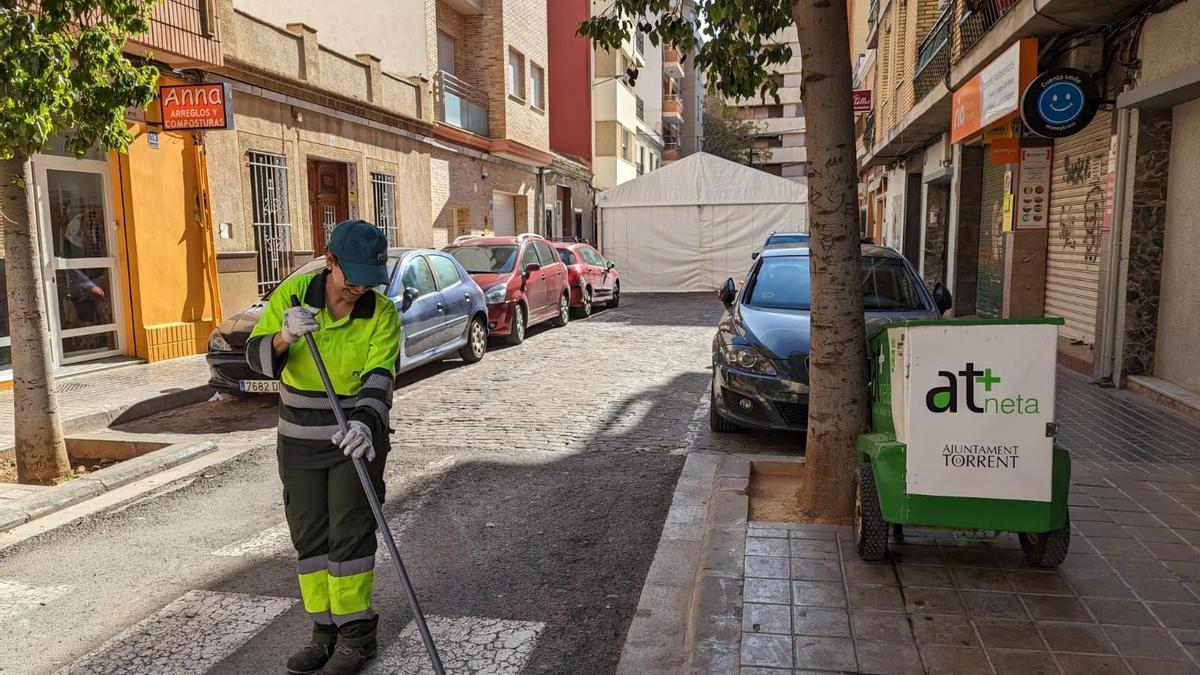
column 760, row 352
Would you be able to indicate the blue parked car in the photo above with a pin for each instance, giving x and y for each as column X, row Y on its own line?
column 442, row 311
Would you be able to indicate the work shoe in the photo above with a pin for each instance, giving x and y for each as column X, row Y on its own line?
column 309, row 659
column 347, row 660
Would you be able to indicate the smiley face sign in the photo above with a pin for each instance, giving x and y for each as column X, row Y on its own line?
column 1059, row 103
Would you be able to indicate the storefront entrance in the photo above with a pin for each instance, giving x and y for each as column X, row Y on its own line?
column 79, row 266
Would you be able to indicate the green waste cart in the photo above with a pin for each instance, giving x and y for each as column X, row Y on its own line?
column 963, row 436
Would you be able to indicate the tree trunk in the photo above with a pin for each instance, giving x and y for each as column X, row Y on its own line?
column 838, row 401
column 40, row 448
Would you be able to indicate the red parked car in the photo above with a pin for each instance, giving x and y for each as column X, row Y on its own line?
column 591, row 278
column 523, row 281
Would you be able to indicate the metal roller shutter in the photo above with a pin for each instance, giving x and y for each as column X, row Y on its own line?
column 1076, row 219
column 989, row 298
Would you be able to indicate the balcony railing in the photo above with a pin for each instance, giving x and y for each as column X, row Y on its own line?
column 868, row 134
column 976, row 18
column 460, row 104
column 933, row 56
column 672, row 63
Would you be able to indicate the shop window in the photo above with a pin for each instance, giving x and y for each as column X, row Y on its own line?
column 384, row 188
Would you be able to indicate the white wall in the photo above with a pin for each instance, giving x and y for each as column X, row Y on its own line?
column 393, row 30
column 1176, row 357
column 1169, row 42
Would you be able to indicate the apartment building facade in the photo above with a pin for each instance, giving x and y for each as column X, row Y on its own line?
column 644, row 121
column 570, row 194
column 961, row 170
column 778, row 147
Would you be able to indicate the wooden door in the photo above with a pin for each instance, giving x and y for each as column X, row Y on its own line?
column 328, row 200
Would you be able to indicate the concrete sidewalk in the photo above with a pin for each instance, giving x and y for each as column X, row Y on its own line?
column 1127, row 599
column 93, row 400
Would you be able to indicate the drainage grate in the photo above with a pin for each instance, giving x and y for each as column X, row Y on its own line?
column 70, row 387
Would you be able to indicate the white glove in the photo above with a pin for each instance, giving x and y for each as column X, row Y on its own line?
column 356, row 443
column 298, row 322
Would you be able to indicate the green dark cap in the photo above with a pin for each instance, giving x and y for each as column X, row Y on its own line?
column 362, row 252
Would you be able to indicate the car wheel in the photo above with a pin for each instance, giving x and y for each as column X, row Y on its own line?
column 870, row 529
column 476, row 345
column 517, row 335
column 616, row 296
column 564, row 311
column 716, row 422
column 584, row 310
column 1047, row 549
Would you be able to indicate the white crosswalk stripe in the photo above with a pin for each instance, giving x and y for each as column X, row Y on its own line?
column 188, row 636
column 17, row 598
column 270, row 542
column 468, row 645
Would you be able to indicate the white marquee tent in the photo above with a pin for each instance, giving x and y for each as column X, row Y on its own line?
column 692, row 224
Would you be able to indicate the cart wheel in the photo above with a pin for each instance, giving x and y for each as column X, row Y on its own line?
column 1047, row 549
column 870, row 529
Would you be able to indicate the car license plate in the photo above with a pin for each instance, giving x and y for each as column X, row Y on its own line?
column 260, row 386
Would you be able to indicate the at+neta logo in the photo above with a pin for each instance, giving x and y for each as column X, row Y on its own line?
column 945, row 399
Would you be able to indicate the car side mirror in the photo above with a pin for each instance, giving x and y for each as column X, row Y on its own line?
column 531, row 268
column 410, row 296
column 610, row 265
column 728, row 292
column 754, row 255
column 942, row 298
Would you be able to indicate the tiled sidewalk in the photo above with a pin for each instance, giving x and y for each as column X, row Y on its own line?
column 106, row 391
column 1127, row 599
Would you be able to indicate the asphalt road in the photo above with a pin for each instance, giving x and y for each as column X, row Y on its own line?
column 527, row 493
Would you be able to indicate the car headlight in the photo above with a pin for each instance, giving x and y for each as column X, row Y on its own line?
column 218, row 343
column 749, row 359
column 496, row 294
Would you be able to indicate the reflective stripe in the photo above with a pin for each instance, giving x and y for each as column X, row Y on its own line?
column 376, row 405
column 343, row 619
column 294, row 400
column 323, row 618
column 350, row 567
column 379, row 381
column 314, row 590
column 293, row 430
column 310, row 565
column 350, row 594
column 266, row 355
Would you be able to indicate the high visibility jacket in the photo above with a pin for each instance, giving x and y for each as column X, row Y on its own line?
column 359, row 351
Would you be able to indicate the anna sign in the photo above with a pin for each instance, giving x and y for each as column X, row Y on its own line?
column 192, row 107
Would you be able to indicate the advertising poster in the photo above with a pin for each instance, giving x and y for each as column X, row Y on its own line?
column 1033, row 188
column 978, row 402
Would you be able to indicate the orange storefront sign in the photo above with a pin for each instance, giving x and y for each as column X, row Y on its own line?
column 196, row 106
column 994, row 94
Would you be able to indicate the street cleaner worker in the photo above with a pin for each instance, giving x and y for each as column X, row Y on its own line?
column 357, row 330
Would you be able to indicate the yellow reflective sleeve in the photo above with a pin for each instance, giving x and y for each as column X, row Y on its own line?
column 384, row 346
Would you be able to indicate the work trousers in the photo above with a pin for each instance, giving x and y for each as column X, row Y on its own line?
column 333, row 531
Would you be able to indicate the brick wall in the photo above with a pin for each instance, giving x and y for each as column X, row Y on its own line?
column 459, row 186
column 481, row 59
column 524, row 29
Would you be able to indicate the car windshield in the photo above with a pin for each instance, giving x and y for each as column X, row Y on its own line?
column 788, row 238
column 485, row 259
column 783, row 283
column 317, row 264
